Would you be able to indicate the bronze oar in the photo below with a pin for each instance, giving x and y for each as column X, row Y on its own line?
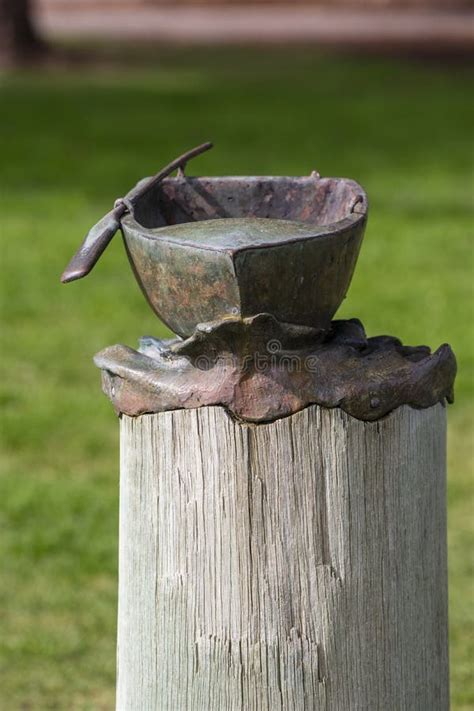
column 100, row 235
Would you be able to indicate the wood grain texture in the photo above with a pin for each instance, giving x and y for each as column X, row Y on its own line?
column 292, row 566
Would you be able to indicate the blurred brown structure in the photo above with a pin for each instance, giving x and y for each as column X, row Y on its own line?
column 436, row 27
column 19, row 38
column 423, row 26
column 115, row 4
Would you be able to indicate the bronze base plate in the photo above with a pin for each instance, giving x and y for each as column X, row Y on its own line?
column 261, row 370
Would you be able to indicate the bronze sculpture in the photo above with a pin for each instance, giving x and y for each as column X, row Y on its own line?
column 248, row 272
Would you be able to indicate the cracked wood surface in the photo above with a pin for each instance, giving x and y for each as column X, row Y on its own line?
column 293, row 566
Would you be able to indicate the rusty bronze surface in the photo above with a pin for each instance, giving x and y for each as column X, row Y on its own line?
column 101, row 233
column 204, row 249
column 261, row 369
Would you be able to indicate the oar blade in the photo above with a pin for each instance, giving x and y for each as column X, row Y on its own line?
column 92, row 247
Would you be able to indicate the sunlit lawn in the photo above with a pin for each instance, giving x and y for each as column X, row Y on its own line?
column 70, row 144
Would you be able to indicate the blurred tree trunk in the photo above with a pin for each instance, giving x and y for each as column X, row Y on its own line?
column 19, row 40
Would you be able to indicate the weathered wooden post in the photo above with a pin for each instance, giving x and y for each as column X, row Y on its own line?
column 282, row 486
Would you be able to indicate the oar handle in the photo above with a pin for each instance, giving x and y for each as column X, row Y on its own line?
column 100, row 235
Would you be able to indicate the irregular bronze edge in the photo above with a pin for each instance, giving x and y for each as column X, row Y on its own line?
column 139, row 412
column 134, row 401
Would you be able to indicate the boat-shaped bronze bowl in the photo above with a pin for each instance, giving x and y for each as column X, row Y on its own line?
column 203, row 249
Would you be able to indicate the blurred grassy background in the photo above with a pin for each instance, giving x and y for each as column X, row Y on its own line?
column 73, row 142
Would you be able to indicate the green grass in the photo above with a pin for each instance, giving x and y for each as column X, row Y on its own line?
column 70, row 144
